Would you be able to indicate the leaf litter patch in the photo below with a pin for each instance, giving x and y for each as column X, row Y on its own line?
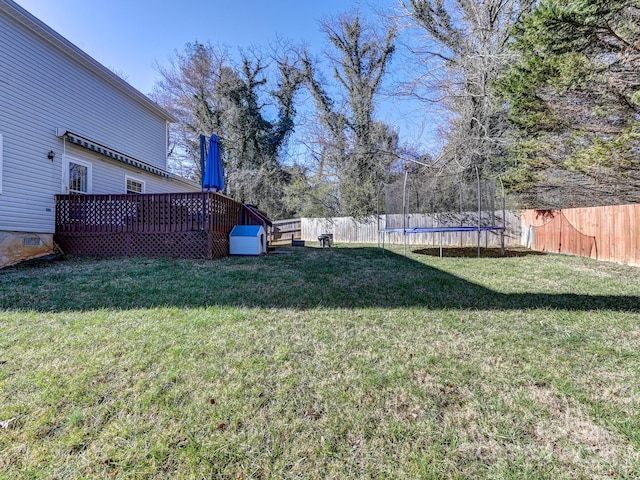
column 472, row 252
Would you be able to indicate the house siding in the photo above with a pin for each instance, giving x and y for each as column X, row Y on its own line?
column 44, row 87
column 41, row 89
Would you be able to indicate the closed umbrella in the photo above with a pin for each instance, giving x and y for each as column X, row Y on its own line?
column 212, row 177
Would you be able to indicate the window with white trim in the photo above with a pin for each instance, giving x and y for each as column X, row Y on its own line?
column 134, row 185
column 78, row 176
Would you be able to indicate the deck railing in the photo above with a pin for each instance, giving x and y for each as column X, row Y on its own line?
column 173, row 224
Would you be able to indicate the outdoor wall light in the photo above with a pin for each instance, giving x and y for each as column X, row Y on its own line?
column 51, row 155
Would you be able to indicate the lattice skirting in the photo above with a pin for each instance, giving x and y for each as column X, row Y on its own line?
column 194, row 244
column 219, row 245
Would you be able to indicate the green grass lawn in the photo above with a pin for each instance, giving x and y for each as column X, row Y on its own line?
column 335, row 363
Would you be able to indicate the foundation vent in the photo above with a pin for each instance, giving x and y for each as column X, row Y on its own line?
column 31, row 242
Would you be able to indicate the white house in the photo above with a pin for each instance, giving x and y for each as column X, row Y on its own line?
column 67, row 124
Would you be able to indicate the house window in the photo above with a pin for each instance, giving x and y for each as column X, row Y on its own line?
column 134, row 185
column 78, row 176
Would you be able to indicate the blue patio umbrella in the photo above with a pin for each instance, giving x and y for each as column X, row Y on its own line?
column 212, row 176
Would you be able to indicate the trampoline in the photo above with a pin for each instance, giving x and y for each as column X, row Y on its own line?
column 477, row 224
column 443, row 230
column 407, row 231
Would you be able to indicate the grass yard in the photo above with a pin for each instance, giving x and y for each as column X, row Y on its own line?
column 336, row 363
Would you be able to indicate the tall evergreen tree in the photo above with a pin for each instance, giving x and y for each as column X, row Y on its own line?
column 575, row 98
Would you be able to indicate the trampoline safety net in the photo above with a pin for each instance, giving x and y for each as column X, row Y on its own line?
column 447, row 201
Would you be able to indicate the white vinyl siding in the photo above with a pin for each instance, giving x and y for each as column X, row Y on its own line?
column 167, row 141
column 77, row 99
column 1, row 149
column 42, row 88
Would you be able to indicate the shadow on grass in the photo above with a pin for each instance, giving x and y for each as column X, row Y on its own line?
column 307, row 278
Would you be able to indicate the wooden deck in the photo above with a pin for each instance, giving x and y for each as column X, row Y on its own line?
column 186, row 225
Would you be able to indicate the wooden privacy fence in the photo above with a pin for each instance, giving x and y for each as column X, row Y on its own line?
column 610, row 233
column 187, row 225
column 284, row 229
column 365, row 230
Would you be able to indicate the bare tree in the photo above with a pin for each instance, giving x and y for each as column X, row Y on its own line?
column 463, row 45
column 187, row 88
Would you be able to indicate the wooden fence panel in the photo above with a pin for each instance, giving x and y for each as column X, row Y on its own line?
column 634, row 233
column 365, row 230
column 610, row 233
column 620, row 245
column 604, row 246
column 284, row 229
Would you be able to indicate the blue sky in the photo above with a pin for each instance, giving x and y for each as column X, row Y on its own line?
column 132, row 36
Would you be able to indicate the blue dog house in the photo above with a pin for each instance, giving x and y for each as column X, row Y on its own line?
column 247, row 240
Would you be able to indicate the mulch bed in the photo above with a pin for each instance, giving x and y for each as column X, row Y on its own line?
column 472, row 252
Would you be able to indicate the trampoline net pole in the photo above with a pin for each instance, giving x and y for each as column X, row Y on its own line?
column 504, row 216
column 479, row 207
column 404, row 211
